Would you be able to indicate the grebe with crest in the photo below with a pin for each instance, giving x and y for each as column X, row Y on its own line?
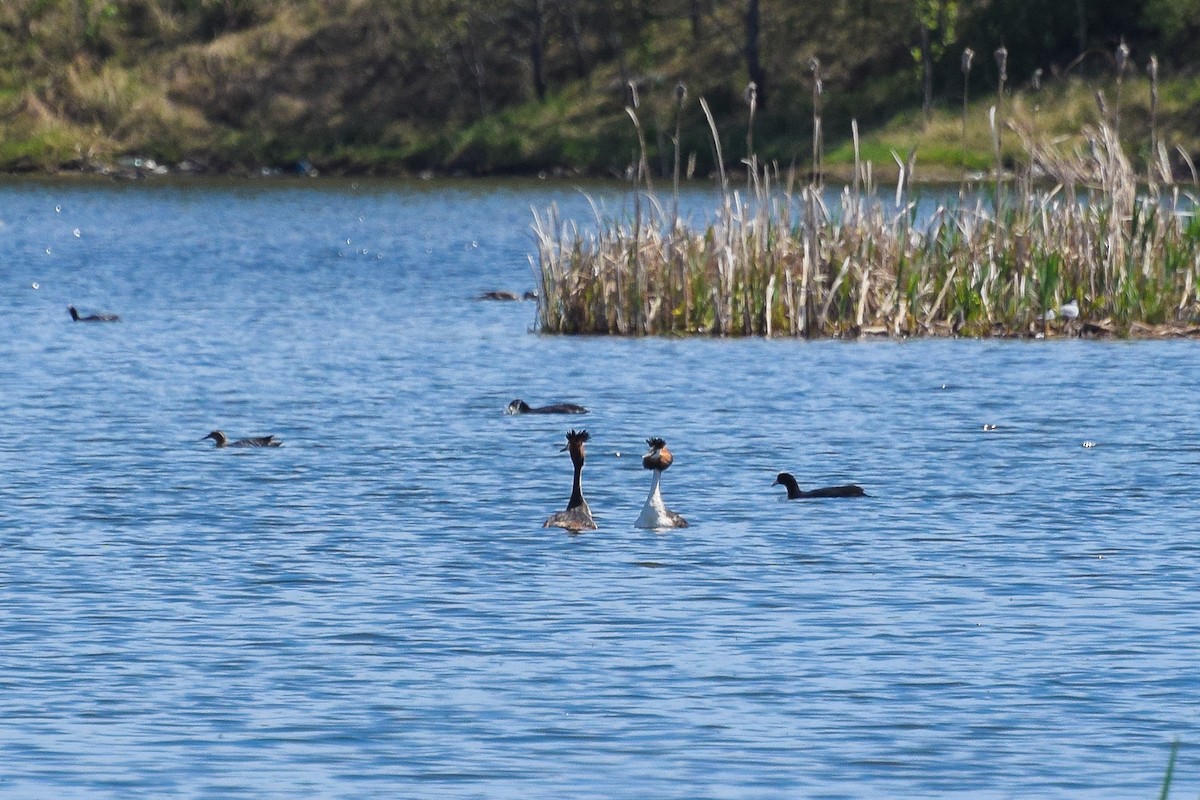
column 92, row 317
column 577, row 516
column 222, row 440
column 794, row 492
column 521, row 407
column 655, row 513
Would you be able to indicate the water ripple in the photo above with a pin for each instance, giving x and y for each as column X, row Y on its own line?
column 374, row 610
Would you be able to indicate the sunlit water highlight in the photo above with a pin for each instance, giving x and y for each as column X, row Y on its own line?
column 374, row 610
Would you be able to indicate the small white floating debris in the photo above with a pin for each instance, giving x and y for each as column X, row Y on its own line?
column 1089, row 443
column 988, row 426
column 35, row 285
column 58, row 209
column 76, row 232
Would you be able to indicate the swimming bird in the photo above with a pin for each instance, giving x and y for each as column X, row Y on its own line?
column 252, row 441
column 506, row 295
column 655, row 513
column 521, row 407
column 92, row 317
column 577, row 517
column 796, row 493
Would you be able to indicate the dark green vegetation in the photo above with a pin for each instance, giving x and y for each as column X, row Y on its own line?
column 395, row 86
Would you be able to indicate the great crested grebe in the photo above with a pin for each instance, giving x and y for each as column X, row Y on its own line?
column 521, row 407
column 92, row 317
column 655, row 513
column 577, row 517
column 796, row 493
column 251, row 441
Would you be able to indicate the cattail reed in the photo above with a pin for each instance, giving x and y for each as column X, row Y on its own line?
column 1122, row 61
column 1152, row 69
column 680, row 98
column 1001, row 55
column 968, row 55
column 751, row 96
column 814, row 265
column 814, row 64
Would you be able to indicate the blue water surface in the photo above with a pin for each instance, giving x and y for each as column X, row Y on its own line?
column 374, row 610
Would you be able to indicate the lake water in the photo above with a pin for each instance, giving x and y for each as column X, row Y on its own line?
column 373, row 610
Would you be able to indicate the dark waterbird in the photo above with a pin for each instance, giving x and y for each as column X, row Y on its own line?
column 92, row 317
column 251, row 441
column 577, row 516
column 521, row 407
column 507, row 296
column 794, row 491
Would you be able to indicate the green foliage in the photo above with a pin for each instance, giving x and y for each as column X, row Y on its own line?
column 938, row 18
column 1178, row 21
column 511, row 85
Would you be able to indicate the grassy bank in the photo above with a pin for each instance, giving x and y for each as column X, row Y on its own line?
column 401, row 87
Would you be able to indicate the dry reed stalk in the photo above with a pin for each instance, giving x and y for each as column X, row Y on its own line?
column 968, row 56
column 1121, row 59
column 814, row 64
column 762, row 267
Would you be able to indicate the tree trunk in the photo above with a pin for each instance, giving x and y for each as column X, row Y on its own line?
column 571, row 13
column 537, row 49
column 926, row 72
column 1082, row 33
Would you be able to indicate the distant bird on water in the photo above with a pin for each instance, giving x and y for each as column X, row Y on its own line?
column 521, row 407
column 509, row 296
column 794, row 492
column 251, row 441
column 655, row 513
column 577, row 516
column 92, row 317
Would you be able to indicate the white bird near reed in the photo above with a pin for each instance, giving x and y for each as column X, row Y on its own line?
column 1068, row 311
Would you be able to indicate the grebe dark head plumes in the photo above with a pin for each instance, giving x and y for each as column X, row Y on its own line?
column 92, row 317
column 794, row 492
column 577, row 517
column 655, row 513
column 659, row 457
column 575, row 444
column 222, row 440
column 521, row 407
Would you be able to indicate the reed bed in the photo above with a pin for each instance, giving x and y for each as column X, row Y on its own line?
column 777, row 260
